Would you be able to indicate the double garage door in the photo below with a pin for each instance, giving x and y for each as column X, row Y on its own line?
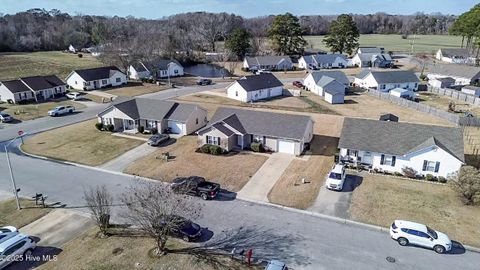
column 286, row 147
column 176, row 127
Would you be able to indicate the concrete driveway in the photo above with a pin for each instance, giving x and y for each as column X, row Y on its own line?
column 336, row 203
column 120, row 163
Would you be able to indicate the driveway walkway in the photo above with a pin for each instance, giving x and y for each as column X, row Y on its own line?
column 120, row 163
column 265, row 178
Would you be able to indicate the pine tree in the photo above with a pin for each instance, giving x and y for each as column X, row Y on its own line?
column 343, row 35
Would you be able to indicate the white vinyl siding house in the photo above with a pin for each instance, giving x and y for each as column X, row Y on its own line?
column 161, row 68
column 387, row 80
column 34, row 88
column 96, row 78
column 326, row 61
column 456, row 56
column 461, row 74
column 268, row 62
column 256, row 87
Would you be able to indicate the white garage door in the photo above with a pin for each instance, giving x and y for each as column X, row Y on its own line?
column 286, row 147
column 175, row 127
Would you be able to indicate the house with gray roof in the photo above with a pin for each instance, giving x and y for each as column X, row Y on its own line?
column 234, row 129
column 387, row 80
column 267, row 62
column 331, row 84
column 35, row 88
column 255, row 87
column 392, row 146
column 158, row 68
column 455, row 55
column 163, row 116
column 462, row 74
column 372, row 57
column 96, row 78
column 317, row 61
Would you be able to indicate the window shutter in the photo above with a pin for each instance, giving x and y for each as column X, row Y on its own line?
column 382, row 159
column 348, row 152
column 218, row 141
column 437, row 166
column 424, row 165
column 394, row 158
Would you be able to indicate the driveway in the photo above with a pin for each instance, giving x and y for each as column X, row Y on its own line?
column 265, row 178
column 336, row 203
column 120, row 163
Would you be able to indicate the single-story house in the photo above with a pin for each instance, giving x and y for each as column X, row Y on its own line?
column 335, row 96
column 255, row 87
column 379, row 60
column 402, row 93
column 441, row 82
column 164, row 116
column 160, row 68
column 471, row 90
column 392, row 146
column 463, row 74
column 457, row 56
column 232, row 129
column 319, row 81
column 268, row 62
column 35, row 88
column 96, row 78
column 386, row 80
column 317, row 61
column 376, row 50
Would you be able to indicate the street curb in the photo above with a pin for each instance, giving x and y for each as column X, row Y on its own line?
column 268, row 204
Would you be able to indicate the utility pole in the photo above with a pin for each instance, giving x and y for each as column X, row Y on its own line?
column 15, row 190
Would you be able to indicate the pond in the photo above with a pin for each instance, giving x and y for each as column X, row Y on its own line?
column 207, row 71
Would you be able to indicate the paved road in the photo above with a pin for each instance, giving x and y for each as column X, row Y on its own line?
column 304, row 241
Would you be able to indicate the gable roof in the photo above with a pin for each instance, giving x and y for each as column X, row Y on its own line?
column 455, row 70
column 278, row 125
column 257, row 82
column 16, row 86
column 378, row 136
column 454, row 52
column 139, row 67
column 42, row 82
column 160, row 64
column 92, row 74
column 389, row 117
column 334, row 91
column 334, row 74
column 362, row 50
column 267, row 60
column 398, row 76
column 323, row 58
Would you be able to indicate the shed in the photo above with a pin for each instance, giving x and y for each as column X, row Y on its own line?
column 334, row 96
column 402, row 93
column 471, row 90
column 445, row 82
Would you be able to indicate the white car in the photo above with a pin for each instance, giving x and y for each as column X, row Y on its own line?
column 61, row 110
column 336, row 177
column 73, row 95
column 7, row 232
column 16, row 248
column 407, row 232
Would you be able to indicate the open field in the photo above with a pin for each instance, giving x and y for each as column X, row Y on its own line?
column 15, row 65
column 10, row 216
column 224, row 170
column 81, row 143
column 381, row 199
column 35, row 110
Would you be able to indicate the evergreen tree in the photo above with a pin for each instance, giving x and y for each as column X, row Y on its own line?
column 343, row 35
column 286, row 35
column 238, row 42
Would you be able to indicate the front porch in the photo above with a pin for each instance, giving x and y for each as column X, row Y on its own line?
column 356, row 158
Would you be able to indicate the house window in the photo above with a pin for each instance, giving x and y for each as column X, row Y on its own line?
column 175, row 71
column 416, row 85
column 236, row 93
column 104, row 81
column 431, row 166
column 196, row 121
column 213, row 140
column 151, row 124
column 352, row 153
column 86, row 83
column 388, row 160
column 382, row 86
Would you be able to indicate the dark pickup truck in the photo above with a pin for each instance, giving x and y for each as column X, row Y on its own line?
column 195, row 185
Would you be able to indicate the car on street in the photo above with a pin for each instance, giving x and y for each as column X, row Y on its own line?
column 7, row 232
column 73, row 95
column 204, row 82
column 336, row 177
column 157, row 139
column 61, row 110
column 185, row 229
column 5, row 117
column 298, row 84
column 16, row 248
column 196, row 186
column 276, row 265
column 408, row 232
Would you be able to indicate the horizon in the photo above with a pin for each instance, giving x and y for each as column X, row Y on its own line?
column 148, row 9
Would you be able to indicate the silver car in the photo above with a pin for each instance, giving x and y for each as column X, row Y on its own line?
column 157, row 139
column 5, row 117
column 16, row 248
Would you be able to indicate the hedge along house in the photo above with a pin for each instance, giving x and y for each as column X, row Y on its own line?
column 392, row 146
column 96, row 78
column 233, row 129
column 35, row 88
column 164, row 116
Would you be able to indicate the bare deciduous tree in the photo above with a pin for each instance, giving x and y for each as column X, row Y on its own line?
column 99, row 201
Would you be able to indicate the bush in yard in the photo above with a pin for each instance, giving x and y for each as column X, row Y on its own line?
column 397, row 174
column 257, row 147
column 154, row 131
column 423, row 77
column 429, row 177
column 205, row 148
column 442, row 179
column 80, row 55
column 409, row 172
column 467, row 183
column 109, row 128
column 140, row 129
column 215, row 149
column 99, row 126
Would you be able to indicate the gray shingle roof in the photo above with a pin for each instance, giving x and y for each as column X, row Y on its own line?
column 16, row 86
column 267, row 60
column 261, row 81
column 92, row 74
column 319, row 59
column 451, row 52
column 395, row 138
column 181, row 111
column 287, row 126
column 160, row 64
column 334, row 91
column 370, row 50
column 398, row 76
column 455, row 70
column 334, row 74
column 42, row 82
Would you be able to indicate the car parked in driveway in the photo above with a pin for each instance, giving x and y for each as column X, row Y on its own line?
column 336, row 177
column 204, row 82
column 298, row 84
column 5, row 117
column 15, row 249
column 407, row 232
column 276, row 265
column 157, row 139
column 61, row 110
column 73, row 95
column 196, row 186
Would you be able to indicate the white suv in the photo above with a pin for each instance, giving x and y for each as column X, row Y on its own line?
column 7, row 232
column 407, row 232
column 336, row 177
column 16, row 248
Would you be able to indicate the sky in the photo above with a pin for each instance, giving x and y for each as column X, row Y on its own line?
column 154, row 9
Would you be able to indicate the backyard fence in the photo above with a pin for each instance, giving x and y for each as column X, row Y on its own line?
column 455, row 94
column 456, row 119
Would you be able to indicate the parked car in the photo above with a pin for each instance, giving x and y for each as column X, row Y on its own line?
column 157, row 139
column 15, row 249
column 276, row 265
column 5, row 117
column 407, row 232
column 298, row 84
column 312, row 67
column 204, row 82
column 7, row 232
column 73, row 95
column 195, row 185
column 188, row 230
column 336, row 177
column 60, row 110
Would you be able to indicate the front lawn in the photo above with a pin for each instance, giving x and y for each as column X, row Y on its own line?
column 81, row 143
column 381, row 199
column 232, row 172
column 10, row 216
column 135, row 89
column 35, row 110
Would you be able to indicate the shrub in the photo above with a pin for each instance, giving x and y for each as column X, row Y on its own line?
column 215, row 149
column 154, row 131
column 423, row 77
column 409, row 172
column 429, row 177
column 205, row 148
column 99, row 126
column 80, row 55
column 140, row 129
column 257, row 147
column 442, row 179
column 467, row 183
column 397, row 174
column 109, row 128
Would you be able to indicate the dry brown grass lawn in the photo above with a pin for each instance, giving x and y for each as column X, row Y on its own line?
column 232, row 172
column 380, row 200
column 442, row 102
column 35, row 110
column 136, row 89
column 289, row 190
column 10, row 216
column 81, row 143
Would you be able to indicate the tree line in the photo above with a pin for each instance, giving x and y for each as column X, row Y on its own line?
column 468, row 27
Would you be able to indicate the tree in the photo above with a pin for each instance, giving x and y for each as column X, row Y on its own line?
column 343, row 35
column 158, row 211
column 286, row 35
column 99, row 202
column 238, row 42
column 467, row 183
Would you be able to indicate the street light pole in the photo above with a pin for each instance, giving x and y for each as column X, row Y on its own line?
column 15, row 191
column 168, row 74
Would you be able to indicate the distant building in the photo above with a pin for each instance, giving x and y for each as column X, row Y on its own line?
column 471, row 90
column 441, row 82
column 457, row 56
column 160, row 68
column 387, row 80
column 462, row 74
column 372, row 57
column 268, row 62
column 317, row 61
column 36, row 88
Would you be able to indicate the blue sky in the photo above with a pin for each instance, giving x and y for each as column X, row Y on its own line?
column 249, row 8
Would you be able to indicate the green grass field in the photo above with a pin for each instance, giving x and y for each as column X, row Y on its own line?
column 14, row 65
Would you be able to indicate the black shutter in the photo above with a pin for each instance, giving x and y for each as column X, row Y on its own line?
column 394, row 158
column 348, row 152
column 424, row 165
column 437, row 166
column 382, row 159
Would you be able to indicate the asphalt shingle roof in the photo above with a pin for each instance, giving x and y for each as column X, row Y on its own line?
column 451, row 52
column 398, row 76
column 395, row 138
column 323, row 58
column 93, row 74
column 16, row 86
column 370, row 50
column 261, row 81
column 455, row 70
column 267, row 60
column 42, row 82
column 334, row 74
